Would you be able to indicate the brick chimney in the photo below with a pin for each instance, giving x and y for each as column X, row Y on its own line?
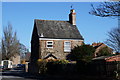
column 72, row 17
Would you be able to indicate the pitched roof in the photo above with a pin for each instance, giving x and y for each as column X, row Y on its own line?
column 57, row 29
column 108, row 58
column 96, row 45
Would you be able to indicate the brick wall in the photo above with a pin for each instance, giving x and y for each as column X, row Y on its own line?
column 58, row 48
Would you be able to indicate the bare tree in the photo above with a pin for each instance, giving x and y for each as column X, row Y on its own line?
column 110, row 9
column 0, row 51
column 114, row 39
column 106, row 9
column 23, row 51
column 10, row 44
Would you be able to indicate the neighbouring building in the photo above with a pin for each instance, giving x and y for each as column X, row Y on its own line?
column 16, row 59
column 53, row 39
column 99, row 46
column 27, row 57
column 111, row 58
column 106, row 65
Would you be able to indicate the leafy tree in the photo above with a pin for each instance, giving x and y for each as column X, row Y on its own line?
column 105, row 51
column 10, row 43
column 114, row 39
column 106, row 9
column 84, row 53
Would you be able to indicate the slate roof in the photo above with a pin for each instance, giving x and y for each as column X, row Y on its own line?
column 57, row 29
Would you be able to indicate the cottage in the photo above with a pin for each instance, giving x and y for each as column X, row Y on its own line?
column 54, row 39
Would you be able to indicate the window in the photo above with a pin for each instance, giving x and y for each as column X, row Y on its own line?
column 67, row 46
column 49, row 44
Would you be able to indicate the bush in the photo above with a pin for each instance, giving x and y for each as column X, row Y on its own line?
column 59, row 61
column 42, row 66
column 83, row 52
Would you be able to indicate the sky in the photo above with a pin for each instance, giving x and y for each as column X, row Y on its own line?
column 54, row 0
column 22, row 14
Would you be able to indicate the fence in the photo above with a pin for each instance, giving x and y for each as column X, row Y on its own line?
column 103, row 68
column 111, row 67
column 100, row 67
column 62, row 69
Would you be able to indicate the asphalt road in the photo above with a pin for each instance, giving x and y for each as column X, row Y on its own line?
column 19, row 74
column 14, row 78
column 16, row 74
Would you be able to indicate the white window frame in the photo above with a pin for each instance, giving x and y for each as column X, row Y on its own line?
column 47, row 43
column 67, row 46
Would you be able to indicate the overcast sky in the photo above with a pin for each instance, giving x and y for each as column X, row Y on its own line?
column 22, row 14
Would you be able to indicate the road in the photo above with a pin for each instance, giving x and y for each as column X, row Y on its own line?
column 19, row 74
column 16, row 74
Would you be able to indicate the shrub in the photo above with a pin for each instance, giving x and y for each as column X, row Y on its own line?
column 42, row 66
column 60, row 62
column 83, row 52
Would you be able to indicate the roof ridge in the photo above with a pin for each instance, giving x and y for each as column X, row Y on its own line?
column 51, row 20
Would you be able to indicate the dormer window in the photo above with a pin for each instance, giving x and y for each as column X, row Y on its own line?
column 49, row 44
column 67, row 46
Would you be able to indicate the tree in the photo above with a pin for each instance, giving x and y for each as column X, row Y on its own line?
column 0, row 47
column 106, row 9
column 110, row 9
column 10, row 43
column 83, row 53
column 23, row 51
column 114, row 39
